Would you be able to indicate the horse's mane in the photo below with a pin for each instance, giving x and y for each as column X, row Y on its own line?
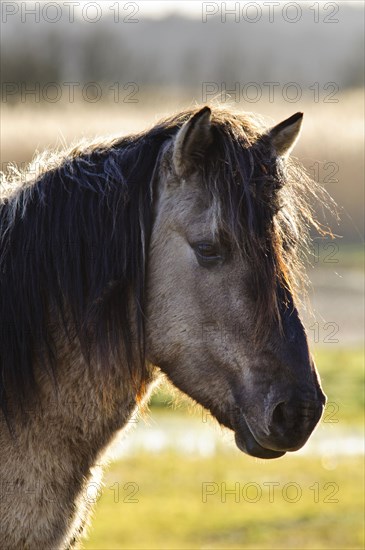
column 74, row 239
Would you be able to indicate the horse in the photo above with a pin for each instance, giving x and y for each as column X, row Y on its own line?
column 176, row 252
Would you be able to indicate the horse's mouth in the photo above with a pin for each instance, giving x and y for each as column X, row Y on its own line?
column 247, row 443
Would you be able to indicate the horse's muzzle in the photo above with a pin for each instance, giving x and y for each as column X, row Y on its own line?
column 290, row 425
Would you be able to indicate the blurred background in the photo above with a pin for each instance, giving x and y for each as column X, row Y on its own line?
column 81, row 69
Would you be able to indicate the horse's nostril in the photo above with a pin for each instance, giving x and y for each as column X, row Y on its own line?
column 289, row 414
column 278, row 415
column 291, row 422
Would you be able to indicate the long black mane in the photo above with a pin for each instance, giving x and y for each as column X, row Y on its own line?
column 74, row 241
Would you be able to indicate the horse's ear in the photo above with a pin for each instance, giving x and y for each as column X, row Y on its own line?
column 191, row 141
column 284, row 135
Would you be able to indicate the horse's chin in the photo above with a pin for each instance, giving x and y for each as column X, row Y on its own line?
column 252, row 448
column 246, row 442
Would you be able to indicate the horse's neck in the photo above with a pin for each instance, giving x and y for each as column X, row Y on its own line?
column 48, row 469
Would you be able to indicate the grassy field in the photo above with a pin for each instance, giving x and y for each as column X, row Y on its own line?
column 167, row 501
column 176, row 501
column 342, row 375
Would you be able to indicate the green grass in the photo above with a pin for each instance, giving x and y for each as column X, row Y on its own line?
column 169, row 512
column 351, row 255
column 337, row 254
column 342, row 375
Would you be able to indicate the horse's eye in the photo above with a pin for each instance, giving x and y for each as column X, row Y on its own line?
column 207, row 254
